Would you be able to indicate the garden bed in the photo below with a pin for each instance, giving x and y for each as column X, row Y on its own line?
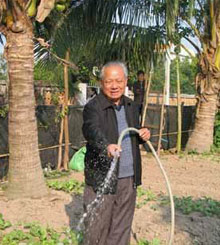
column 195, row 183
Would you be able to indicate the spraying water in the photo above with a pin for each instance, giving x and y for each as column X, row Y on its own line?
column 92, row 207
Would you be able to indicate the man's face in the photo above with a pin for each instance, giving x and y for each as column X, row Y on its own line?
column 141, row 77
column 114, row 83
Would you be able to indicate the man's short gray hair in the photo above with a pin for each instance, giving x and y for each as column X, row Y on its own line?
column 114, row 63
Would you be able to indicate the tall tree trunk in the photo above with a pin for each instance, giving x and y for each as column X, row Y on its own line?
column 202, row 137
column 25, row 172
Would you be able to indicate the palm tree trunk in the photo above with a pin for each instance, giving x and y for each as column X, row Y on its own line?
column 25, row 172
column 202, row 137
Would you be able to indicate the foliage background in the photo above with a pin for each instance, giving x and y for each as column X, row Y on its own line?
column 3, row 68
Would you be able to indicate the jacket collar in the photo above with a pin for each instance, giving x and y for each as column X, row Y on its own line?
column 105, row 102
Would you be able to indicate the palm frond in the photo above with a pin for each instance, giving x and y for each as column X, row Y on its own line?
column 191, row 8
column 104, row 30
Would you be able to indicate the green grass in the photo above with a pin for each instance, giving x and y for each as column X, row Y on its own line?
column 66, row 186
column 35, row 234
column 206, row 206
column 187, row 205
column 144, row 196
column 155, row 241
column 54, row 174
column 3, row 223
column 213, row 155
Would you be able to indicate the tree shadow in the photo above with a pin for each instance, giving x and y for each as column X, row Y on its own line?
column 74, row 210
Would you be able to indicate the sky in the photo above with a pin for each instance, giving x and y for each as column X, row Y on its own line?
column 1, row 46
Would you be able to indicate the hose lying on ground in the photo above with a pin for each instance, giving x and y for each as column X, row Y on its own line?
column 165, row 176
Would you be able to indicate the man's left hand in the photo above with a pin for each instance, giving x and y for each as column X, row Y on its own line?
column 144, row 133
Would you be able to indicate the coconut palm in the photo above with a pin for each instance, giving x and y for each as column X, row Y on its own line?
column 25, row 174
column 206, row 27
column 198, row 22
column 17, row 23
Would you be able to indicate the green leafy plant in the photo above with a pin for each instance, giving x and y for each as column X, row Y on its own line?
column 193, row 152
column 155, row 241
column 4, row 111
column 15, row 236
column 53, row 174
column 42, row 125
column 55, row 98
column 3, row 223
column 188, row 70
column 217, row 130
column 35, row 234
column 206, row 206
column 60, row 113
column 3, row 68
column 67, row 186
column 144, row 196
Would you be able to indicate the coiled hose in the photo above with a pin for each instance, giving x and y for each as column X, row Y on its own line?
column 165, row 176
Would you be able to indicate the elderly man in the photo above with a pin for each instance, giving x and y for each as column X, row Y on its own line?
column 105, row 117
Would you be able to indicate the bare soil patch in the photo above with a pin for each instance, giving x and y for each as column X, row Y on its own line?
column 194, row 176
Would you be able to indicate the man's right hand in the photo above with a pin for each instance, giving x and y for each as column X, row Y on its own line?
column 113, row 149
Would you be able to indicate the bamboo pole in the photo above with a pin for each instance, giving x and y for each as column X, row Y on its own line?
column 66, row 126
column 179, row 135
column 59, row 162
column 53, row 147
column 161, row 119
column 146, row 98
column 4, row 155
column 167, row 78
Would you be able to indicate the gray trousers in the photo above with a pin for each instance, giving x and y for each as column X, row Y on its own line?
column 111, row 223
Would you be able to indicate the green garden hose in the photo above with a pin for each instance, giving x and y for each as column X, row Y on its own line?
column 165, row 176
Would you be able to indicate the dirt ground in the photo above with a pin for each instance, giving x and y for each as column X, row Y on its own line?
column 195, row 176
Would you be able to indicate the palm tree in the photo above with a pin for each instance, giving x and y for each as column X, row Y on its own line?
column 25, row 173
column 17, row 23
column 198, row 22
column 207, row 30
